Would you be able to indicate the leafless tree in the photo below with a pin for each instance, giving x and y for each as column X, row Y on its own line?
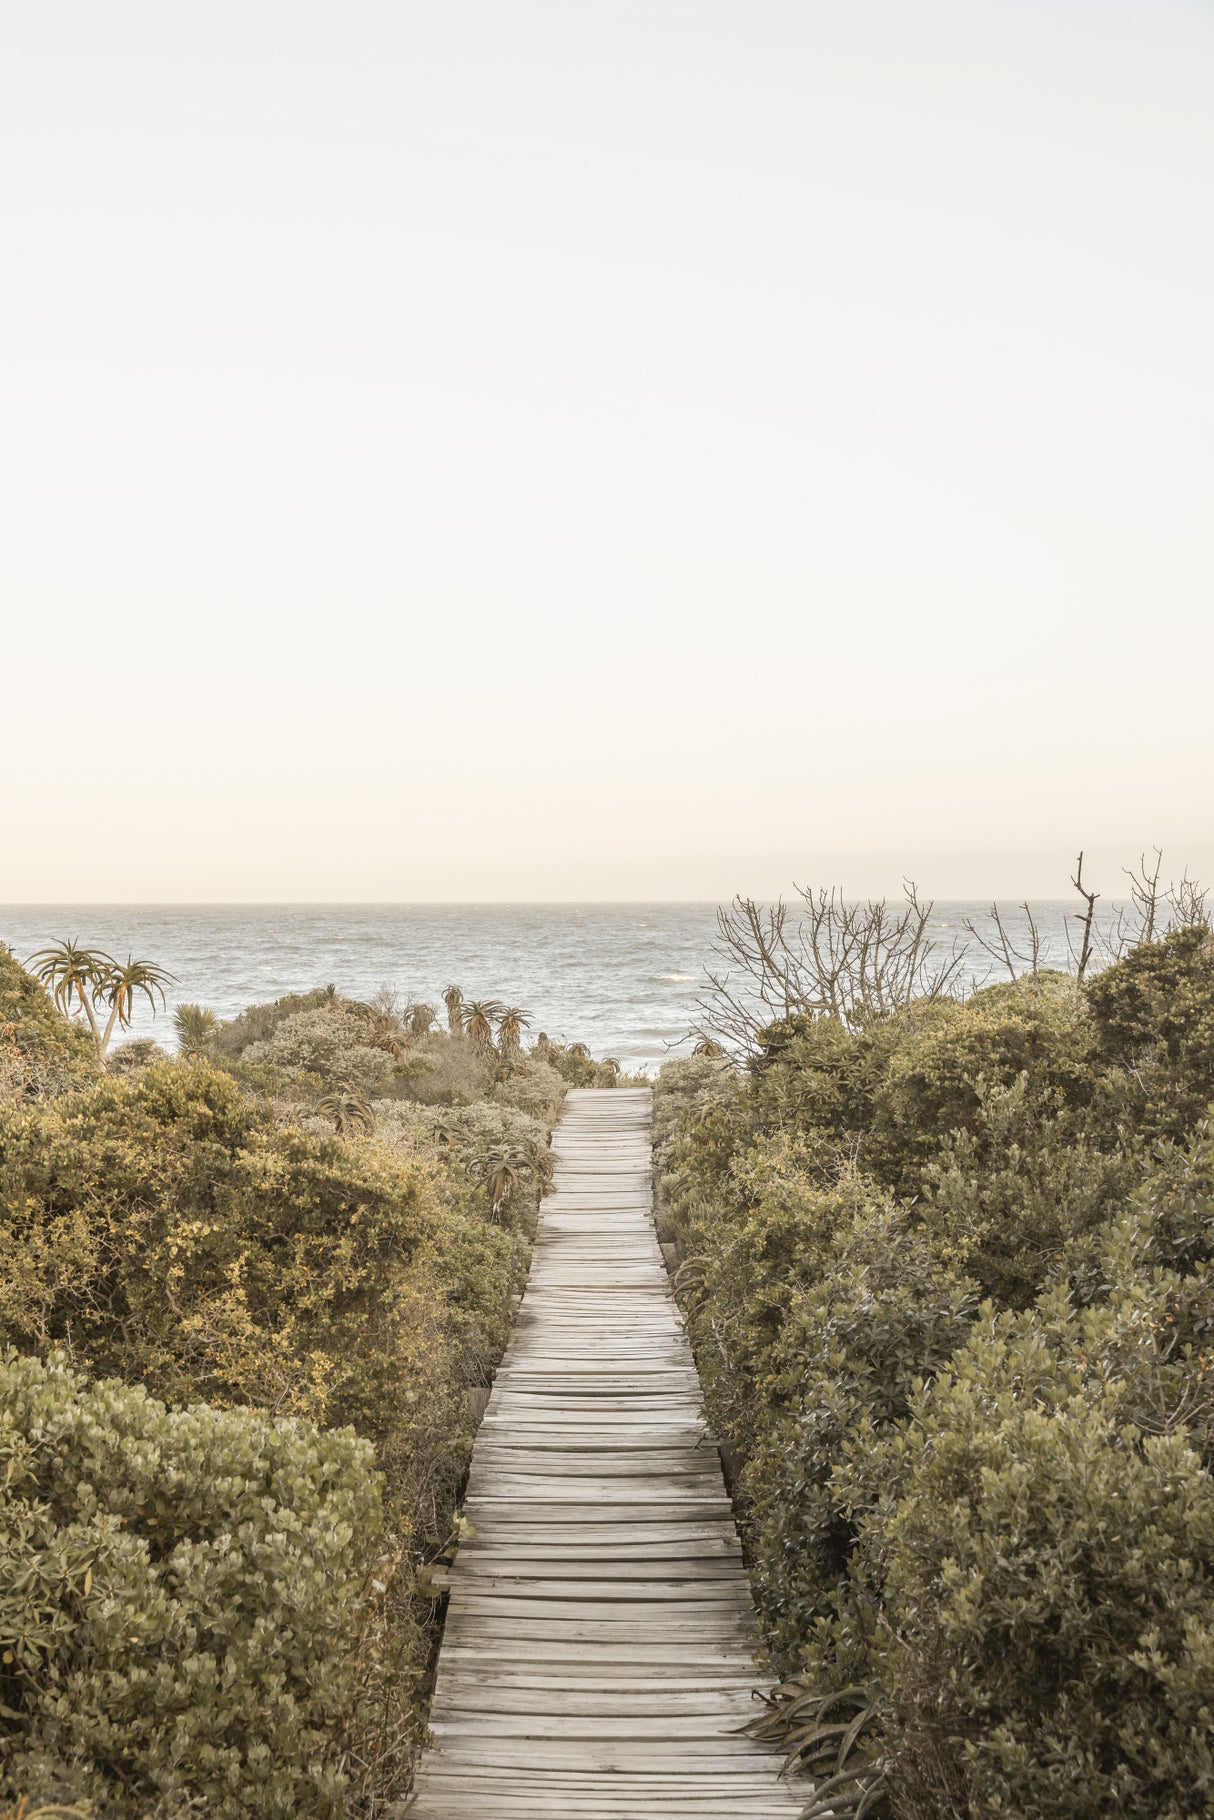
column 1019, row 954
column 1187, row 899
column 1144, row 891
column 1086, row 919
column 1155, row 908
column 825, row 956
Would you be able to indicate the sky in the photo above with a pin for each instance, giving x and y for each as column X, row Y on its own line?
column 603, row 450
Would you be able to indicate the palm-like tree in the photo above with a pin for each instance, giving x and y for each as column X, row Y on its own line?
column 479, row 1015
column 194, row 1026
column 708, row 1046
column 500, row 1170
column 453, row 999
column 69, row 972
column 121, row 987
column 541, row 1162
column 350, row 1113
column 421, row 1017
column 96, row 982
column 579, row 1050
column 512, row 1021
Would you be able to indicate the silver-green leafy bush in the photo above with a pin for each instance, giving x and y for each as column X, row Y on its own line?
column 1033, row 1585
column 178, row 1594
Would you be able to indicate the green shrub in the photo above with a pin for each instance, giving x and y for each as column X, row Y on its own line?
column 140, row 1052
column 742, row 1276
column 849, row 1354
column 691, row 1088
column 163, row 1229
column 940, row 1060
column 1003, row 1532
column 533, row 1087
column 41, row 1051
column 331, row 1042
column 456, row 1072
column 1154, row 1021
column 1008, row 1202
column 178, row 1604
column 258, row 1023
column 1034, row 1583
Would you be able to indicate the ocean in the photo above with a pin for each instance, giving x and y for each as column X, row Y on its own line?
column 622, row 978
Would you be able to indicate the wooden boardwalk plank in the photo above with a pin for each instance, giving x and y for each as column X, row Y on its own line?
column 598, row 1658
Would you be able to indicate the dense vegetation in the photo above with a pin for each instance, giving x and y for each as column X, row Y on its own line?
column 947, row 1271
column 249, row 1300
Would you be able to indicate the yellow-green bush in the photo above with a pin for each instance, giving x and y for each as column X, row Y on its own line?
column 175, row 1226
column 179, row 1594
column 41, row 1052
column 163, row 1228
column 533, row 1087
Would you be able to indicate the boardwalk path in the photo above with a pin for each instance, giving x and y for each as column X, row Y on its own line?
column 597, row 1656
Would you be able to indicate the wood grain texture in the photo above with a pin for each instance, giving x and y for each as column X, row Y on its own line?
column 598, row 1657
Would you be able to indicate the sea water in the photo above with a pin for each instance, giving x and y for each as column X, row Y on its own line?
column 622, row 978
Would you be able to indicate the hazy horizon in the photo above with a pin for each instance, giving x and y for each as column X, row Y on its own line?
column 508, row 453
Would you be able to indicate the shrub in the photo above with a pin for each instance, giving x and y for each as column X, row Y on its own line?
column 531, row 1086
column 258, row 1023
column 329, row 1042
column 1008, row 1202
column 455, row 1073
column 691, row 1087
column 180, row 1591
column 162, row 1228
column 1043, row 1571
column 41, row 1051
column 849, row 1354
column 1154, row 1020
column 140, row 1052
column 939, row 1061
column 1005, row 1532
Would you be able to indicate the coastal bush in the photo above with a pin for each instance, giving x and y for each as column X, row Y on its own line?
column 852, row 1350
column 1153, row 1017
column 450, row 1071
column 41, row 1051
column 162, row 1228
column 1009, row 1202
column 331, row 1042
column 691, row 1087
column 534, row 1087
column 179, row 1600
column 1033, row 1587
column 995, row 1520
column 140, row 1052
column 194, row 1229
column 258, row 1023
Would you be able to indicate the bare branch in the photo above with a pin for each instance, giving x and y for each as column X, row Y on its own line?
column 1187, row 900
column 837, row 959
column 1085, row 919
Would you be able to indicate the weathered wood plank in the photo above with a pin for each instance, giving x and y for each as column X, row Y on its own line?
column 598, row 1658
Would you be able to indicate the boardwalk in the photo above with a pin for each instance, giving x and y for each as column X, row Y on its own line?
column 598, row 1652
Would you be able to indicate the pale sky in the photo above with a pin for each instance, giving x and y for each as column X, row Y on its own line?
column 603, row 450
